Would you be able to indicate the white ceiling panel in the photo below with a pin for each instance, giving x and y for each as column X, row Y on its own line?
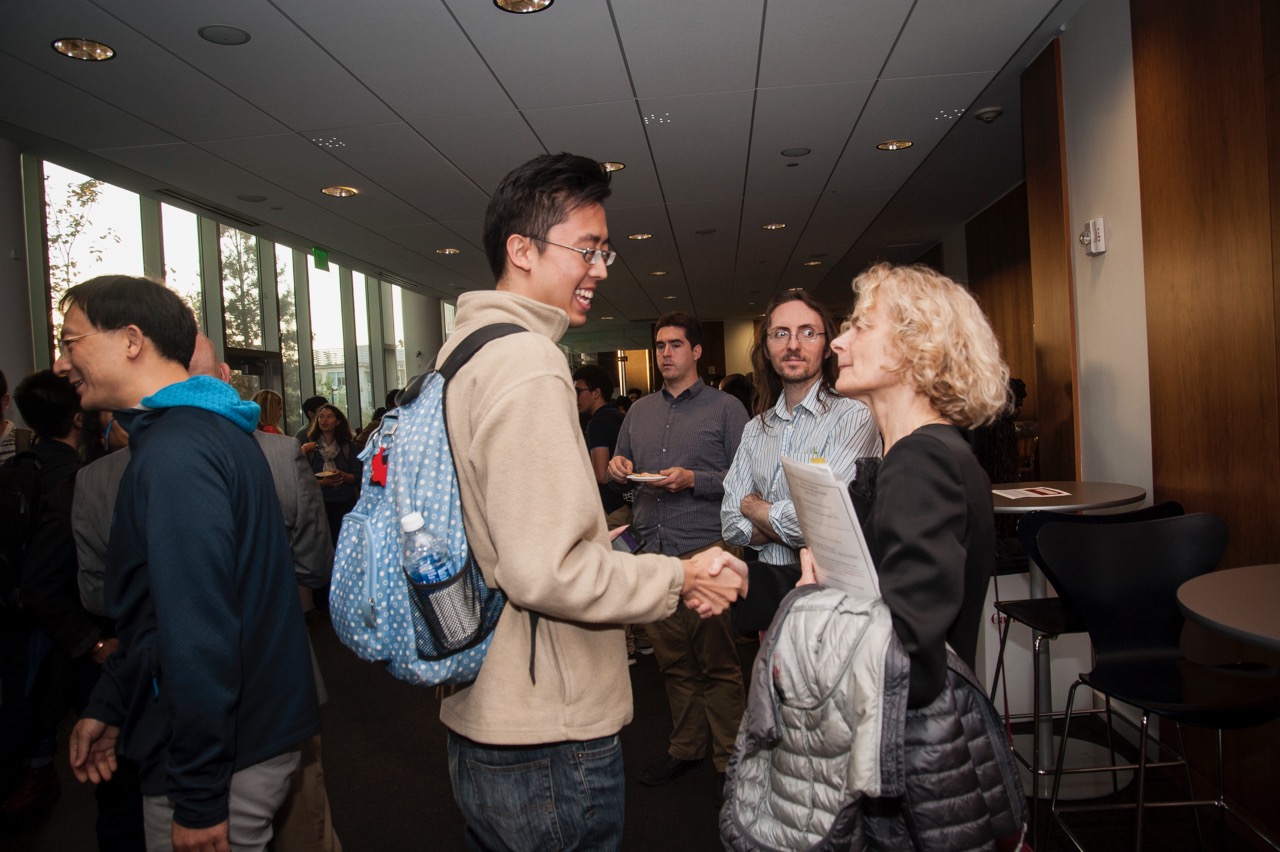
column 565, row 55
column 280, row 69
column 406, row 51
column 961, row 36
column 819, row 118
column 396, row 157
column 44, row 104
column 863, row 166
column 828, row 41
column 482, row 147
column 667, row 54
column 700, row 144
column 144, row 79
column 610, row 131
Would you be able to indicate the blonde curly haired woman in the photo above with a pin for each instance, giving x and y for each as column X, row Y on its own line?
column 920, row 353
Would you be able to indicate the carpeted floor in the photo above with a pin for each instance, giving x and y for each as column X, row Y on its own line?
column 388, row 782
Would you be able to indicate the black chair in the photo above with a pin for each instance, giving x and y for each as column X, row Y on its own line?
column 1123, row 581
column 1050, row 618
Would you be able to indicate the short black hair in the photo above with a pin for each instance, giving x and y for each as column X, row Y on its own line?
column 48, row 403
column 692, row 328
column 595, row 377
column 535, row 197
column 116, row 301
column 4, row 384
column 313, row 404
column 390, row 401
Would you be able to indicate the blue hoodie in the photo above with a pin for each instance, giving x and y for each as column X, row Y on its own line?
column 213, row 674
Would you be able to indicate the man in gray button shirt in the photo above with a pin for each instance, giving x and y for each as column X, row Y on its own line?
column 686, row 434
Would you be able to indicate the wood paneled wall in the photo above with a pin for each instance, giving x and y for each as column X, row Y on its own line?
column 1207, row 186
column 999, row 255
column 1053, row 301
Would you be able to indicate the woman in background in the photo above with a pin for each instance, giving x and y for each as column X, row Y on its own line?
column 270, row 408
column 331, row 455
column 920, row 353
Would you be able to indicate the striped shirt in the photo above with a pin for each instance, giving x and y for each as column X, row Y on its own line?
column 698, row 430
column 822, row 424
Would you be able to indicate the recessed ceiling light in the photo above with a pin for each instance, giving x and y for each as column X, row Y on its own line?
column 340, row 191
column 705, row 232
column 812, row 263
column 795, row 290
column 795, row 152
column 83, row 48
column 522, row 7
column 792, row 165
column 657, row 273
column 613, row 166
column 224, row 35
column 668, row 298
column 252, row 199
column 329, row 142
column 774, row 226
column 895, row 144
column 606, row 317
column 448, row 251
column 639, row 236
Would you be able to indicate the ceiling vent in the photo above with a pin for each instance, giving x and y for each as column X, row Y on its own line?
column 217, row 211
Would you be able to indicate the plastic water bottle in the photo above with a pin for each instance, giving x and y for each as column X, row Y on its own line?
column 424, row 553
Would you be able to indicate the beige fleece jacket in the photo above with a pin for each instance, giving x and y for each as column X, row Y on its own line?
column 535, row 524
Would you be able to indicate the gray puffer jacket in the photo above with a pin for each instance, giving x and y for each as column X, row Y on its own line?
column 828, row 756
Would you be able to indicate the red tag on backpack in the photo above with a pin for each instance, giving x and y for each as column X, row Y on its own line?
column 378, row 472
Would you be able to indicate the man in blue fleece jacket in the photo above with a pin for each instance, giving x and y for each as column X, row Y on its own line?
column 211, row 691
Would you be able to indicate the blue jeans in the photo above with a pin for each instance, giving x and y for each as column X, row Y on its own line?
column 545, row 797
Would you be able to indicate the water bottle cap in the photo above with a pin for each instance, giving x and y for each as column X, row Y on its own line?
column 412, row 522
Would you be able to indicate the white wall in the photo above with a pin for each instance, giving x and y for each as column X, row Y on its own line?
column 738, row 337
column 1102, row 177
column 423, row 331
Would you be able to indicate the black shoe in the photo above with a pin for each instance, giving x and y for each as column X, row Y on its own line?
column 667, row 769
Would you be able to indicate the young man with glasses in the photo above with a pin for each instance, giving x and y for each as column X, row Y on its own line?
column 534, row 753
column 798, row 415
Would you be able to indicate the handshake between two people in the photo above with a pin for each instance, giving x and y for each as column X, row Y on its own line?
column 713, row 579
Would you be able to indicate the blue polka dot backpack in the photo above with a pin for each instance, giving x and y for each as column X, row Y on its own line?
column 430, row 630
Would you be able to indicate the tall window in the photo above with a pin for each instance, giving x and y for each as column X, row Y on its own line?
column 397, row 322
column 363, row 356
column 182, row 257
column 93, row 229
column 289, row 339
column 326, row 335
column 241, row 288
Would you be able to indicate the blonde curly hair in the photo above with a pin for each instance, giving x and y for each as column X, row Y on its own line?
column 949, row 352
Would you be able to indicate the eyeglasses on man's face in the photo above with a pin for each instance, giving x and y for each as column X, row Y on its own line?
column 64, row 342
column 582, row 390
column 589, row 255
column 804, row 334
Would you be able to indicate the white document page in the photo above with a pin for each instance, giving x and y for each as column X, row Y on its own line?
column 831, row 529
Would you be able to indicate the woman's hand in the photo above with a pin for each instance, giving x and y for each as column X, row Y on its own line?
column 308, row 448
column 807, row 565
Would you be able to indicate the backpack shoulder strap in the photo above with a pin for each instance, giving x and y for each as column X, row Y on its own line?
column 473, row 343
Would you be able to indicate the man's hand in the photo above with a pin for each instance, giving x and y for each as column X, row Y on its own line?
column 677, row 479
column 93, row 750
column 756, row 510
column 212, row 839
column 620, row 468
column 99, row 654
column 713, row 579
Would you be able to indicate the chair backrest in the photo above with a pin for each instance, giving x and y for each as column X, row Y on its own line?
column 1123, row 579
column 1030, row 524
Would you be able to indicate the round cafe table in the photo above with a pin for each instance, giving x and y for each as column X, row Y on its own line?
column 1238, row 602
column 1079, row 497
